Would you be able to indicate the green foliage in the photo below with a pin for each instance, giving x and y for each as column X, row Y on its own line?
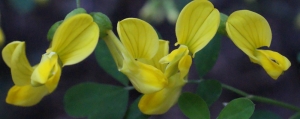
column 52, row 30
column 209, row 91
column 134, row 112
column 206, row 58
column 240, row 108
column 193, row 106
column 103, row 23
column 222, row 26
column 106, row 61
column 96, row 101
column 264, row 114
column 75, row 11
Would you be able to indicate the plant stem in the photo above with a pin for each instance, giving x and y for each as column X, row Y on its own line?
column 261, row 99
column 78, row 3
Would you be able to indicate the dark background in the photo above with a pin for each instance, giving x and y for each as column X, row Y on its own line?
column 233, row 67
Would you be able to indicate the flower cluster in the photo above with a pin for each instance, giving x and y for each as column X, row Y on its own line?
column 146, row 61
column 160, row 75
column 139, row 53
column 73, row 41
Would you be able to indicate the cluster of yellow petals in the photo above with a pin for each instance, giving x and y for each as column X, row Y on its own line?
column 73, row 41
column 250, row 31
column 146, row 61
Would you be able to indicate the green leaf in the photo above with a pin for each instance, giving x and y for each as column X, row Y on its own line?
column 264, row 114
column 134, row 112
column 295, row 116
column 96, row 101
column 106, row 61
column 240, row 108
column 103, row 23
column 193, row 106
column 209, row 90
column 206, row 58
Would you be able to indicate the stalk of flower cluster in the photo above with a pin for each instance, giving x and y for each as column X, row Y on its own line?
column 261, row 98
column 254, row 97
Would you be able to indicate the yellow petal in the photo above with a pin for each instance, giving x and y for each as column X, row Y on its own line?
column 160, row 102
column 145, row 78
column 25, row 95
column 75, row 39
column 184, row 65
column 173, row 60
column 52, row 82
column 249, row 31
column 163, row 50
column 273, row 62
column 44, row 70
column 138, row 37
column 15, row 57
column 197, row 24
column 8, row 51
column 117, row 50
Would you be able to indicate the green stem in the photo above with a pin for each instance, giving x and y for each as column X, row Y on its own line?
column 261, row 99
column 78, row 3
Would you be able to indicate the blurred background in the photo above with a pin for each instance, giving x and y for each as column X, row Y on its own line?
column 29, row 21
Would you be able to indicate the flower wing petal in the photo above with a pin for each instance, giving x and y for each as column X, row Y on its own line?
column 145, row 78
column 163, row 51
column 161, row 101
column 248, row 31
column 273, row 62
column 197, row 24
column 52, row 82
column 184, row 65
column 44, row 70
column 173, row 60
column 138, row 37
column 26, row 95
column 15, row 57
column 75, row 39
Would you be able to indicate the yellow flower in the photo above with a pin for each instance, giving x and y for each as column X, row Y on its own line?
column 197, row 24
column 176, row 71
column 74, row 40
column 139, row 43
column 250, row 31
